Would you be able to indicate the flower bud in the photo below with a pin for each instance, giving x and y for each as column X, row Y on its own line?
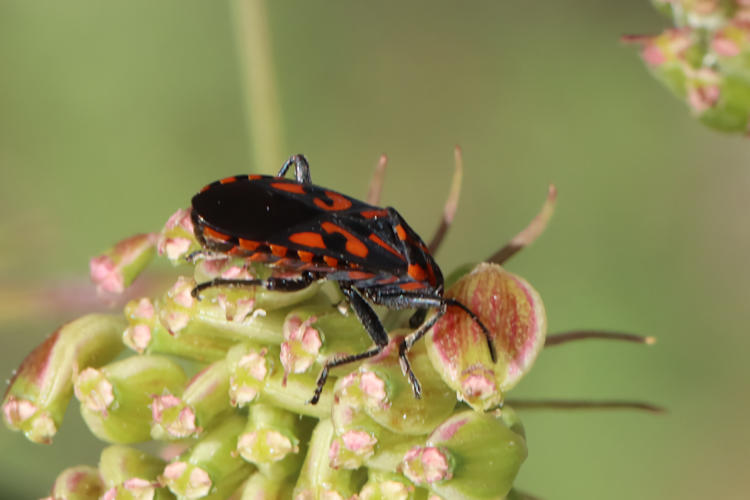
column 318, row 479
column 271, row 440
column 177, row 240
column 471, row 455
column 514, row 314
column 81, row 482
column 261, row 487
column 211, row 467
column 130, row 474
column 383, row 485
column 205, row 398
column 115, row 269
column 39, row 393
column 115, row 399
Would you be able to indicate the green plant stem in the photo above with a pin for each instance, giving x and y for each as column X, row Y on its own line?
column 259, row 84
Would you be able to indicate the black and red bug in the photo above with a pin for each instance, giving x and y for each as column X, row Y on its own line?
column 316, row 233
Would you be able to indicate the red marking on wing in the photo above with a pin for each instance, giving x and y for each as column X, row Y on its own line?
column 305, row 256
column 360, row 275
column 289, row 187
column 228, row 180
column 353, row 245
column 313, row 240
column 374, row 237
column 417, row 272
column 411, row 285
column 331, row 261
column 401, row 232
column 371, row 214
column 387, row 281
column 249, row 245
column 338, row 202
column 278, row 250
column 212, row 233
column 254, row 177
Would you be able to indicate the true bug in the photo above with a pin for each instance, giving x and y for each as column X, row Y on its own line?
column 317, row 233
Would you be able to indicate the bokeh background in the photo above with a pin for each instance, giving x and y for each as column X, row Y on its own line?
column 112, row 114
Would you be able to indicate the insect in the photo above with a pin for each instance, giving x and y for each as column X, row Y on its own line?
column 315, row 233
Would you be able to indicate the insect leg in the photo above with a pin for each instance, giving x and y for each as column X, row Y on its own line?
column 418, row 317
column 301, row 169
column 372, row 324
column 403, row 300
column 407, row 344
column 277, row 284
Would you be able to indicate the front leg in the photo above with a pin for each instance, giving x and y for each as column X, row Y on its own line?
column 374, row 328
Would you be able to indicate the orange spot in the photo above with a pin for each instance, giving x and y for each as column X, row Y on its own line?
column 338, row 202
column 305, row 256
column 353, row 245
column 374, row 237
column 359, row 275
column 289, row 187
column 417, row 272
column 254, row 177
column 278, row 250
column 313, row 240
column 412, row 285
column 401, row 232
column 371, row 214
column 258, row 257
column 212, row 233
column 387, row 281
column 228, row 180
column 330, row 261
column 249, row 244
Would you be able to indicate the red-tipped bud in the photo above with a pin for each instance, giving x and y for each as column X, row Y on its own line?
column 115, row 269
column 514, row 314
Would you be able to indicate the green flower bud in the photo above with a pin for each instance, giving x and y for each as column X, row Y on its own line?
column 130, row 474
column 700, row 14
column 388, row 395
column 514, row 314
column 390, row 486
column 248, row 365
column 177, row 240
column 260, row 487
column 317, row 479
column 203, row 400
column 81, row 482
column 470, row 456
column 115, row 269
column 271, row 440
column 316, row 333
column 256, row 375
column 115, row 399
column 146, row 334
column 39, row 393
column 210, row 469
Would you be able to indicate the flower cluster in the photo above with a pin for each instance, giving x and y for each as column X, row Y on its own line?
column 705, row 59
column 222, row 380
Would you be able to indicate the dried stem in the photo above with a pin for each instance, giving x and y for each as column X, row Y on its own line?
column 261, row 101
column 553, row 404
column 562, row 338
column 531, row 232
column 376, row 183
column 451, row 204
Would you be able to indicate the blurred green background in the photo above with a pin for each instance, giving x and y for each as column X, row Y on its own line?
column 112, row 114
